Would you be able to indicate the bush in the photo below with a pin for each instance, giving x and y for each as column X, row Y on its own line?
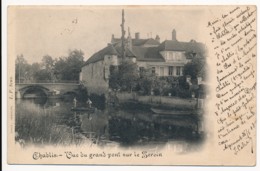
column 167, row 91
column 98, row 101
column 182, row 83
column 184, row 93
column 180, row 92
column 156, row 92
column 83, row 94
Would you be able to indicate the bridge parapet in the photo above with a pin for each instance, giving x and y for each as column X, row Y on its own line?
column 46, row 81
column 50, row 89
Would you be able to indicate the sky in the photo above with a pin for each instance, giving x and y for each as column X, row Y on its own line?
column 55, row 30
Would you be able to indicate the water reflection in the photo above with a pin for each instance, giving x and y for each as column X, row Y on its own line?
column 42, row 122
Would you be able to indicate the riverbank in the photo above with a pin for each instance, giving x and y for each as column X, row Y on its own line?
column 144, row 102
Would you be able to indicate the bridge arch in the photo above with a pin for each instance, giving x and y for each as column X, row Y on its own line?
column 38, row 91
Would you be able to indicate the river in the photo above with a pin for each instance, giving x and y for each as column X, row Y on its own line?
column 51, row 122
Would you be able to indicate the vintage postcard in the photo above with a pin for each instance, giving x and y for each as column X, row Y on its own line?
column 132, row 85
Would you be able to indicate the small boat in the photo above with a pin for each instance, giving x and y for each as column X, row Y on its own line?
column 86, row 109
column 172, row 112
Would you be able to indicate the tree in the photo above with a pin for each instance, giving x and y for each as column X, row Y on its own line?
column 146, row 81
column 42, row 76
column 124, row 77
column 159, row 85
column 114, row 78
column 75, row 61
column 195, row 68
column 69, row 68
column 60, row 68
column 47, row 71
column 21, row 69
column 50, row 69
column 48, row 63
column 34, row 70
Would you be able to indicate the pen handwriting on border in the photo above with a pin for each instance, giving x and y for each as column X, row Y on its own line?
column 233, row 35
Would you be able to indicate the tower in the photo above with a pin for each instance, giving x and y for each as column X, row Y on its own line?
column 174, row 35
column 157, row 38
column 129, row 40
column 123, row 34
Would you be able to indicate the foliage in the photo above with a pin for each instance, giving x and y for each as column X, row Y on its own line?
column 182, row 83
column 195, row 68
column 114, row 82
column 149, row 82
column 48, row 63
column 83, row 93
column 42, row 75
column 68, row 68
column 180, row 92
column 50, row 69
column 22, row 68
column 98, row 101
column 160, row 85
column 124, row 76
column 35, row 70
column 146, row 81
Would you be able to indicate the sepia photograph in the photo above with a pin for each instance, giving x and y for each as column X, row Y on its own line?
column 138, row 85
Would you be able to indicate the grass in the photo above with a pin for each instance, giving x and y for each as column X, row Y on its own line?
column 44, row 127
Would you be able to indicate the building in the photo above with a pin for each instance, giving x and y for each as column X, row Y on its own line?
column 164, row 59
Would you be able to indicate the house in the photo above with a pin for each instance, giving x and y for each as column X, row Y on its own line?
column 163, row 59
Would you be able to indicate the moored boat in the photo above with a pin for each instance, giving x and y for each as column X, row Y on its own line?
column 172, row 112
column 87, row 109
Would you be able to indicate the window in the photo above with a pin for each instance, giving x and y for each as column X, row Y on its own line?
column 176, row 56
column 178, row 70
column 170, row 56
column 141, row 69
column 153, row 70
column 106, row 72
column 170, row 70
column 161, row 71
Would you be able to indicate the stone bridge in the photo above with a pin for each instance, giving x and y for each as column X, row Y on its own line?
column 47, row 89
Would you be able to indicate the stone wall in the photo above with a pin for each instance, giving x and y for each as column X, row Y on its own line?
column 95, row 77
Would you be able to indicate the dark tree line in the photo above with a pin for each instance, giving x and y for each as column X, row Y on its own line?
column 196, row 67
column 127, row 77
column 50, row 69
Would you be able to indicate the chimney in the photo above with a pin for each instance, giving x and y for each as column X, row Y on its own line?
column 193, row 41
column 137, row 35
column 174, row 35
column 112, row 38
column 157, row 38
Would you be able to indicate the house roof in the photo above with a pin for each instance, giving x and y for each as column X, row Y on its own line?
column 192, row 46
column 140, row 42
column 148, row 53
column 109, row 50
column 128, row 52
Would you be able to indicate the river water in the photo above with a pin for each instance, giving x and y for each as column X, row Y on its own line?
column 51, row 122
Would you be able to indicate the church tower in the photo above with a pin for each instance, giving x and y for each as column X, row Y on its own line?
column 129, row 40
column 174, row 38
column 123, row 34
